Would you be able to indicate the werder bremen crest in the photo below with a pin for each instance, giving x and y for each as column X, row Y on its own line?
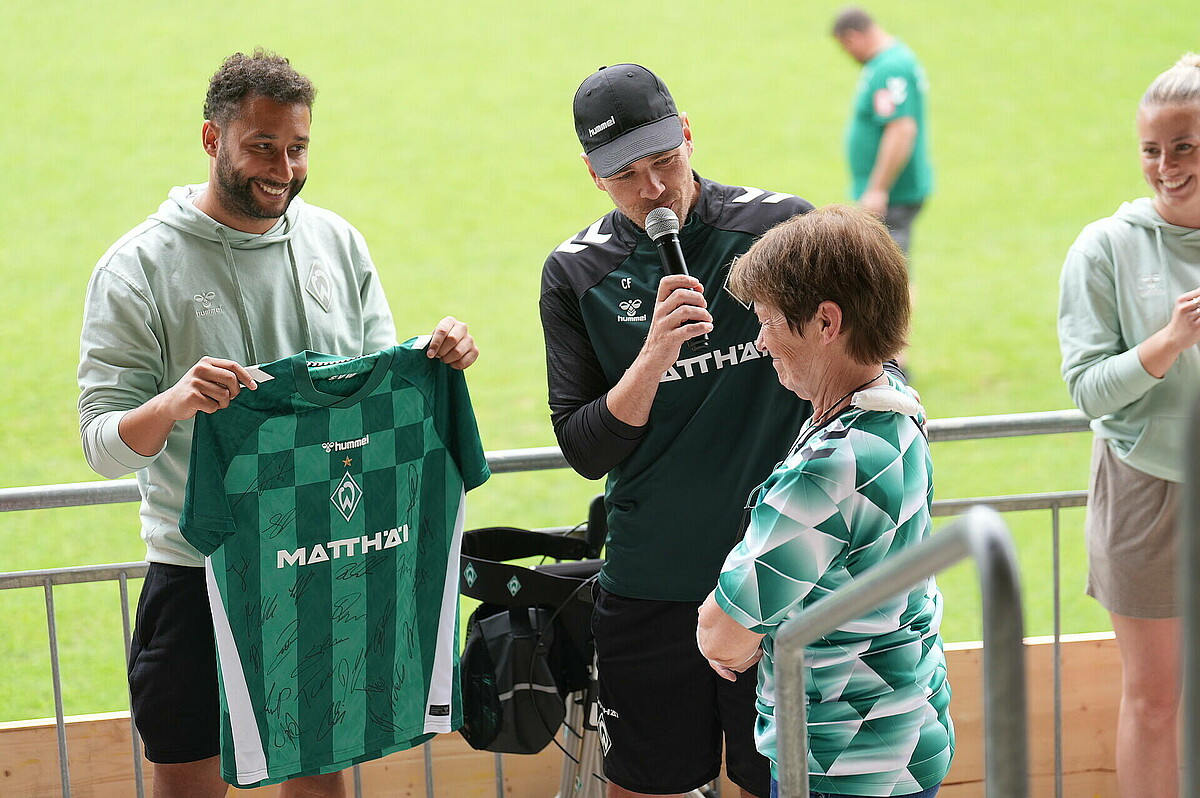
column 346, row 496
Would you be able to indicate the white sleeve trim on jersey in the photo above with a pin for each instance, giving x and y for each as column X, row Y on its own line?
column 250, row 758
column 445, row 676
column 754, row 193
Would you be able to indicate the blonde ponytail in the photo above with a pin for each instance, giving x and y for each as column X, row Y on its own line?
column 1179, row 84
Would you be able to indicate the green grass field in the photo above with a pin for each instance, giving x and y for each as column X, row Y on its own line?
column 443, row 131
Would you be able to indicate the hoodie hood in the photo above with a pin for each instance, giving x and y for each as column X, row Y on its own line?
column 179, row 211
column 1141, row 213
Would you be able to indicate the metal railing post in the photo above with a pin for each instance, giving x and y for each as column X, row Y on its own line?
column 981, row 534
column 428, row 770
column 1006, row 751
column 1058, row 711
column 139, row 778
column 1189, row 591
column 60, row 721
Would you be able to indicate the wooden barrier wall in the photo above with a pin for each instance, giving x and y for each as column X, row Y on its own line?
column 101, row 765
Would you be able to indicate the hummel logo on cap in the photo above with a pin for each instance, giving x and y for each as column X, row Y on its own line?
column 624, row 113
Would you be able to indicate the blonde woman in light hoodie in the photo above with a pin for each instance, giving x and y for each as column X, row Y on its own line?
column 1128, row 325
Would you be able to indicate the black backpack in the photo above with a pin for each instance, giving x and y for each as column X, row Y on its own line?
column 529, row 644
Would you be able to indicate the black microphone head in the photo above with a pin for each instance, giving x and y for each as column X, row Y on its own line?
column 661, row 221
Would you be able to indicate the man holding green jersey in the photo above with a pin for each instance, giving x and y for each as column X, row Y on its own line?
column 229, row 273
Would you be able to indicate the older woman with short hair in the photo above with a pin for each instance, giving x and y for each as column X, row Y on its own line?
column 831, row 290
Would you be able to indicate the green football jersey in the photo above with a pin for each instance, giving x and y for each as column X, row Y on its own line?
column 329, row 505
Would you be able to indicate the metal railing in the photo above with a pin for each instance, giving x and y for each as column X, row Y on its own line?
column 513, row 461
column 1189, row 591
column 545, row 458
column 981, row 535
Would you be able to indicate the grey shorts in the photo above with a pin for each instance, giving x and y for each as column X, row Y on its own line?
column 899, row 219
column 1131, row 538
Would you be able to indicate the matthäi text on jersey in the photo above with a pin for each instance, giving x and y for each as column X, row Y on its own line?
column 336, row 549
column 719, row 359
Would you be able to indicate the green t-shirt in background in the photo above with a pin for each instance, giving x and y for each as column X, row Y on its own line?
column 892, row 85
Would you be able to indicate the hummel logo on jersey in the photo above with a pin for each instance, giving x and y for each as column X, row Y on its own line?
column 334, row 549
column 341, row 446
column 206, row 304
column 347, row 496
column 693, row 366
column 630, row 306
column 605, row 125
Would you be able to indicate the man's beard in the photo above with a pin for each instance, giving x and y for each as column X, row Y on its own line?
column 235, row 192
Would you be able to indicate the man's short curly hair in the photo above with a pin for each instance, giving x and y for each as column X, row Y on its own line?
column 262, row 74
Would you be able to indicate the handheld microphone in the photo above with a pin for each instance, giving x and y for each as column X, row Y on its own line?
column 662, row 225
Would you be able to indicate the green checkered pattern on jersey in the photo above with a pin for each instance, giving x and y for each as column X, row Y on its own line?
column 329, row 504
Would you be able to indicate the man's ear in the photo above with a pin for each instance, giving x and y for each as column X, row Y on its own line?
column 687, row 132
column 592, row 172
column 210, row 136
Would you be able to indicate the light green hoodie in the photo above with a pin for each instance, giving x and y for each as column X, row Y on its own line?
column 180, row 286
column 1118, row 287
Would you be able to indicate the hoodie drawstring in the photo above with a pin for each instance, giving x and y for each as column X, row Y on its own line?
column 1158, row 240
column 251, row 356
column 299, row 293
column 243, row 316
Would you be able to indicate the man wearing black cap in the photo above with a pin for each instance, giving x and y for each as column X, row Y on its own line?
column 684, row 437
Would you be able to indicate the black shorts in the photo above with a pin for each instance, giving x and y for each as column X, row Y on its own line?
column 899, row 221
column 173, row 667
column 664, row 713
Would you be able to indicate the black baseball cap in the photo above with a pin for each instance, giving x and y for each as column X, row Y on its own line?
column 623, row 113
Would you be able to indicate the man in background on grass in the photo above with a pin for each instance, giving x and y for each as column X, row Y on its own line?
column 226, row 274
column 887, row 137
column 683, row 436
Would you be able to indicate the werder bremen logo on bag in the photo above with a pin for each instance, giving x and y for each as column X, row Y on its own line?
column 346, row 496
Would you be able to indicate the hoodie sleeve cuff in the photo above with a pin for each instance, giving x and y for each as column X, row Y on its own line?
column 1129, row 373
column 108, row 454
